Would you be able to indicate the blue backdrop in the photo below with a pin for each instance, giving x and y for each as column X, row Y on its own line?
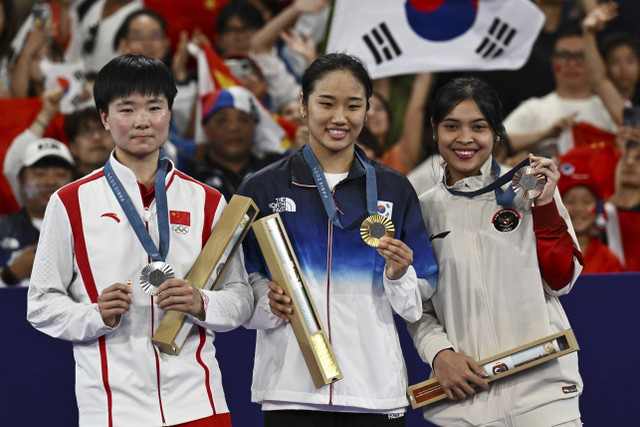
column 37, row 381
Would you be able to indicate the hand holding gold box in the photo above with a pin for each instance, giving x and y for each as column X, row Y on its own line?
column 503, row 364
column 208, row 269
column 307, row 326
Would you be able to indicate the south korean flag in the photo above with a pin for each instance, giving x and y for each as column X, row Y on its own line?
column 410, row 36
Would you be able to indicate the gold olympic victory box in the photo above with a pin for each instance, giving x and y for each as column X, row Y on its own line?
column 503, row 364
column 209, row 267
column 307, row 326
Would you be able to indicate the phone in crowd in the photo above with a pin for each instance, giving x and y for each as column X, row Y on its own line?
column 41, row 15
column 239, row 67
column 631, row 116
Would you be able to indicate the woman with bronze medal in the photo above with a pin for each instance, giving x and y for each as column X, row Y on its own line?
column 113, row 250
column 506, row 250
column 357, row 232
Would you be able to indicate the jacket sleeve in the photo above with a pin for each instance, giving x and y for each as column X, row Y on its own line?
column 51, row 307
column 407, row 293
column 559, row 255
column 429, row 336
column 231, row 304
column 262, row 317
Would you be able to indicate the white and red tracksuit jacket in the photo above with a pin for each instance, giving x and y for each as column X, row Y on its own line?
column 87, row 244
column 502, row 270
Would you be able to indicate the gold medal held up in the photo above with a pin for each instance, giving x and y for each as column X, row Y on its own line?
column 374, row 228
column 527, row 184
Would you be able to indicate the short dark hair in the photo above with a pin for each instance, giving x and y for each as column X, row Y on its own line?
column 335, row 62
column 486, row 98
column 127, row 74
column 570, row 28
column 618, row 39
column 248, row 13
column 123, row 31
column 76, row 122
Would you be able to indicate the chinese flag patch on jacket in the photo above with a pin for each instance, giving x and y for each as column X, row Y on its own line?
column 180, row 218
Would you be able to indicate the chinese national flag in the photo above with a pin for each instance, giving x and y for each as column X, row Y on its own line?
column 180, row 218
column 188, row 15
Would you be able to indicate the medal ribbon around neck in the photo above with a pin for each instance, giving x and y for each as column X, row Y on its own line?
column 139, row 228
column 503, row 197
column 325, row 191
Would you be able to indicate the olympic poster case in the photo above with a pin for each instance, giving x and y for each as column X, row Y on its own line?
column 38, row 371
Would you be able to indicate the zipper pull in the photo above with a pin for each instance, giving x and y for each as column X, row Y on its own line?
column 146, row 215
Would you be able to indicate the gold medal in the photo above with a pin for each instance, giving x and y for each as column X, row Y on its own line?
column 374, row 228
column 527, row 184
column 155, row 274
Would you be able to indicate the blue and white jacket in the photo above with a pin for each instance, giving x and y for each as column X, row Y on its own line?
column 346, row 279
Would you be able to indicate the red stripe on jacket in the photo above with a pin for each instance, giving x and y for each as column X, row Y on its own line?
column 69, row 197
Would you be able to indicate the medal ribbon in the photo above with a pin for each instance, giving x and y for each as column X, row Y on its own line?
column 139, row 228
column 325, row 191
column 504, row 198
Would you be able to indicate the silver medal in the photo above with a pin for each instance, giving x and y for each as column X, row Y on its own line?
column 155, row 274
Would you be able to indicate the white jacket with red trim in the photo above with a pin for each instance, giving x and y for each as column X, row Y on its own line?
column 491, row 298
column 87, row 244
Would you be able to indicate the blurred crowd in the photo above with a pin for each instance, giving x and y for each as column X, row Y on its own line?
column 576, row 100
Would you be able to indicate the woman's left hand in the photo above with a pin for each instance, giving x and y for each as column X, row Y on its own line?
column 398, row 255
column 548, row 168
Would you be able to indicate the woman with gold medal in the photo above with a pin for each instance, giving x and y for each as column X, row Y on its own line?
column 337, row 205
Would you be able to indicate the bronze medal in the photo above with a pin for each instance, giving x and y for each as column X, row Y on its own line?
column 527, row 184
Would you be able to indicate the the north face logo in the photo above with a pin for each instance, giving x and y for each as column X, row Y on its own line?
column 283, row 204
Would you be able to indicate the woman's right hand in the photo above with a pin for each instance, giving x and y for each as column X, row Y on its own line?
column 279, row 303
column 458, row 374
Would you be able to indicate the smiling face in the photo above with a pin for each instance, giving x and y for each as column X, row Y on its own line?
column 139, row 125
column 335, row 111
column 465, row 140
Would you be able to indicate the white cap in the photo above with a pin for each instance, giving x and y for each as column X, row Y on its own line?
column 46, row 147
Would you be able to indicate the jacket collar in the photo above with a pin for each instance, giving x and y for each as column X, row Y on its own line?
column 301, row 172
column 476, row 182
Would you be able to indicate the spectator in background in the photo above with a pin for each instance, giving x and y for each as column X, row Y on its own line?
column 587, row 179
column 98, row 27
column 235, row 127
column 614, row 75
column 7, row 30
column 89, row 142
column 623, row 226
column 45, row 166
column 236, row 24
column 402, row 155
column 537, row 123
column 282, row 85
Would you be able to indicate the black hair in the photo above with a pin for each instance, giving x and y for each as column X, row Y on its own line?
column 9, row 30
column 248, row 14
column 486, row 98
column 128, row 74
column 77, row 121
column 331, row 62
column 570, row 28
column 615, row 40
column 123, row 31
